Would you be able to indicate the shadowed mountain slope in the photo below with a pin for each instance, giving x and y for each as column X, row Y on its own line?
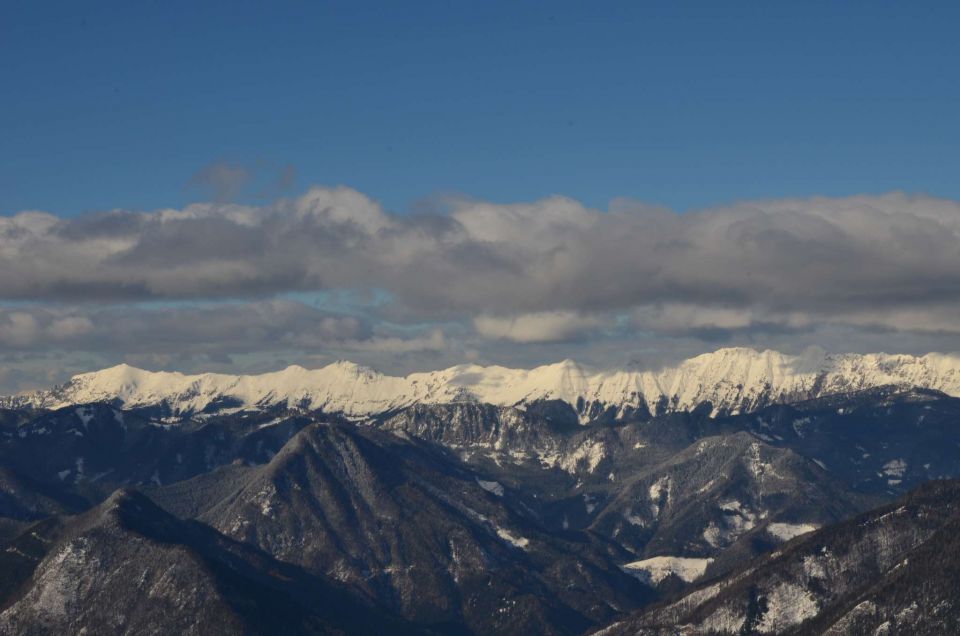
column 127, row 567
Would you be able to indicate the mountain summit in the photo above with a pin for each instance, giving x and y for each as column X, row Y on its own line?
column 731, row 380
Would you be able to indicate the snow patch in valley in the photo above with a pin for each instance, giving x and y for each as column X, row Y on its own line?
column 788, row 531
column 515, row 541
column 492, row 487
column 656, row 569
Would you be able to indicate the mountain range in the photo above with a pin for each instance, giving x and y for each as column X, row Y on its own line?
column 730, row 380
column 724, row 495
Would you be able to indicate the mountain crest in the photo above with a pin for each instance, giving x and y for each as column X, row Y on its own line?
column 731, row 380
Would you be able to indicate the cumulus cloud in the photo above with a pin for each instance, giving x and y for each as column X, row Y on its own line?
column 434, row 340
column 546, row 271
column 547, row 326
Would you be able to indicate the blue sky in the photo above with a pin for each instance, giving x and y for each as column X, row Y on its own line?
column 119, row 104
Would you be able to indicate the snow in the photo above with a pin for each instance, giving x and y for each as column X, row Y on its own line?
column 589, row 503
column 515, row 541
column 491, row 487
column 787, row 531
column 725, row 620
column 729, row 378
column 788, row 604
column 737, row 519
column 895, row 468
column 713, row 535
column 590, row 452
column 85, row 415
column 707, row 486
column 56, row 591
column 898, row 511
column 733, row 506
column 659, row 491
column 656, row 569
column 815, row 566
column 633, row 519
column 272, row 423
column 265, row 499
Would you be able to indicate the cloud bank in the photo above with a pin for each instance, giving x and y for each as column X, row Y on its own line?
column 213, row 276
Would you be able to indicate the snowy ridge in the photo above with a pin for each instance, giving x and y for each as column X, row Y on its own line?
column 732, row 380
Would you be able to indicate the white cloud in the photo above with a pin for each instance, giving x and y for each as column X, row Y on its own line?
column 541, row 273
column 433, row 341
column 549, row 326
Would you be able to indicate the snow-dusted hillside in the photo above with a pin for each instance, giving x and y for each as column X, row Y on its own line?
column 732, row 380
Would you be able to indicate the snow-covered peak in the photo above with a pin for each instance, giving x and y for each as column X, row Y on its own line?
column 732, row 379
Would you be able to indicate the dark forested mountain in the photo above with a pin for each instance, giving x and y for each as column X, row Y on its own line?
column 475, row 517
column 126, row 566
column 893, row 570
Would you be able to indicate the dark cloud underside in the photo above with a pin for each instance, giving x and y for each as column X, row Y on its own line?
column 209, row 278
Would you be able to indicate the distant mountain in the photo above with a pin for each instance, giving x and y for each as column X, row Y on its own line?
column 893, row 570
column 728, row 380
